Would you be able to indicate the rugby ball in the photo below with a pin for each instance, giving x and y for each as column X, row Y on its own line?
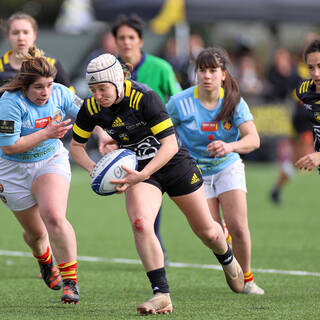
column 109, row 168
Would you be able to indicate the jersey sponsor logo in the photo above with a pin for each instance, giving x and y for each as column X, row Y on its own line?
column 308, row 106
column 3, row 199
column 209, row 126
column 145, row 149
column 41, row 123
column 1, row 188
column 227, row 125
column 6, row 126
column 117, row 122
column 194, row 179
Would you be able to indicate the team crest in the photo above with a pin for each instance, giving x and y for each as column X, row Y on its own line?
column 227, row 125
column 57, row 116
column 316, row 116
column 124, row 137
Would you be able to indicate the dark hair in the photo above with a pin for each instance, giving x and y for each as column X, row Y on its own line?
column 314, row 46
column 34, row 66
column 218, row 58
column 133, row 21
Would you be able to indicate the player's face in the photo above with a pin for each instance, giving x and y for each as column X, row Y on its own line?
column 210, row 79
column 104, row 93
column 21, row 35
column 128, row 42
column 40, row 91
column 313, row 62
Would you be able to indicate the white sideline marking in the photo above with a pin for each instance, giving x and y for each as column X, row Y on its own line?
column 171, row 264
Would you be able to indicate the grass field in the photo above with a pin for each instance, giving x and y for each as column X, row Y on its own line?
column 285, row 239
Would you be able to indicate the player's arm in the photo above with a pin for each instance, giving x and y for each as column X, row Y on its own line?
column 52, row 131
column 80, row 155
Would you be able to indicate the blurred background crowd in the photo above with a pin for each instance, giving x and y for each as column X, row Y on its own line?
column 265, row 40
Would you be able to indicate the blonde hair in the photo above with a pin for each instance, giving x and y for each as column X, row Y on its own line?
column 34, row 66
column 20, row 16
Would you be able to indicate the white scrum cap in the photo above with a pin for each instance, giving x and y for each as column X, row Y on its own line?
column 106, row 68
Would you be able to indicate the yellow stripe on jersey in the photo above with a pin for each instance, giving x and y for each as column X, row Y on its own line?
column 196, row 92
column 80, row 132
column 89, row 107
column 162, row 126
column 1, row 66
column 6, row 59
column 131, row 97
column 96, row 105
column 128, row 87
column 221, row 93
column 137, row 98
column 305, row 86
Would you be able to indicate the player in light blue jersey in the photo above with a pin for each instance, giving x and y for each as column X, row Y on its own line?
column 209, row 118
column 35, row 170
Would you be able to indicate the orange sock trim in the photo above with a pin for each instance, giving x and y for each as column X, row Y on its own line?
column 248, row 276
column 68, row 270
column 45, row 258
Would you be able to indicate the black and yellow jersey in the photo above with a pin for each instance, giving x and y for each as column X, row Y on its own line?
column 7, row 72
column 137, row 123
column 306, row 92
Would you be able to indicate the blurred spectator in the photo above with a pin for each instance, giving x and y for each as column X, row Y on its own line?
column 183, row 65
column 249, row 80
column 284, row 76
column 107, row 45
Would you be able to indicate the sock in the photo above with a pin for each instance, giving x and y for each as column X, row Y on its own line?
column 158, row 279
column 248, row 276
column 45, row 258
column 68, row 270
column 225, row 258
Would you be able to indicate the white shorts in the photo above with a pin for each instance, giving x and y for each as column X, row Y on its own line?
column 231, row 178
column 16, row 178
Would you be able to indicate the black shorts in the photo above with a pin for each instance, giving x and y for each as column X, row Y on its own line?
column 177, row 179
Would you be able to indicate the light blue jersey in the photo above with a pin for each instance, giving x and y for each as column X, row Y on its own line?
column 196, row 128
column 20, row 117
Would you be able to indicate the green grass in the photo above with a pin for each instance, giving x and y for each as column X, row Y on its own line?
column 283, row 238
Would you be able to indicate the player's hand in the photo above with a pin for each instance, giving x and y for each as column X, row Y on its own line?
column 219, row 148
column 308, row 162
column 56, row 130
column 133, row 177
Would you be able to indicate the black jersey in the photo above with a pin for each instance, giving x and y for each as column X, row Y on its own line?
column 7, row 72
column 137, row 123
column 306, row 92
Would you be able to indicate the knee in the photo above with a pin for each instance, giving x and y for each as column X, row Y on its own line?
column 34, row 236
column 141, row 226
column 240, row 233
column 54, row 221
column 209, row 236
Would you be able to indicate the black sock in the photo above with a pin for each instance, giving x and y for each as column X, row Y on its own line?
column 158, row 280
column 225, row 258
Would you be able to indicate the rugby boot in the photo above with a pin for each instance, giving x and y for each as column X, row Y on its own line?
column 71, row 292
column 252, row 288
column 159, row 303
column 51, row 275
column 234, row 275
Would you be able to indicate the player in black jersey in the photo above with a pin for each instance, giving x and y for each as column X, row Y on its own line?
column 136, row 118
column 21, row 33
column 308, row 92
